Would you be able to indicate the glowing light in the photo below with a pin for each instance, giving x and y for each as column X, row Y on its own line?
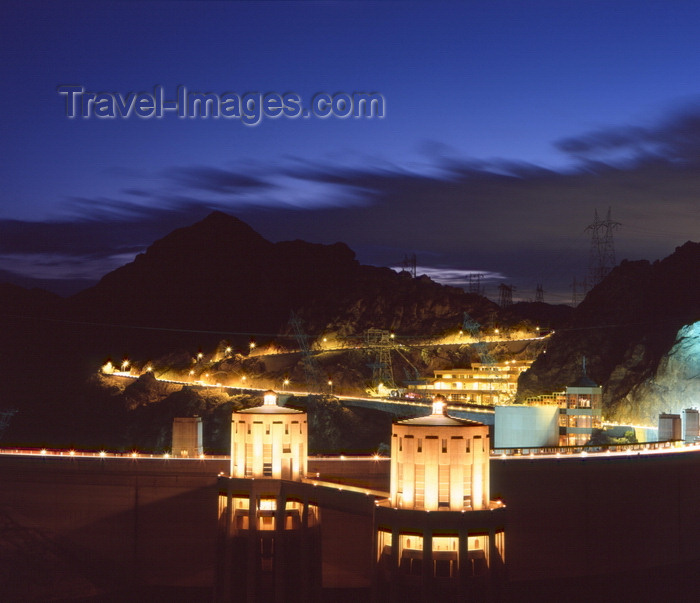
column 149, row 368
column 134, row 454
column 71, row 453
column 200, row 355
column 228, row 350
column 252, row 345
column 439, row 404
column 44, row 451
column 103, row 453
column 166, row 456
column 125, row 364
column 270, row 398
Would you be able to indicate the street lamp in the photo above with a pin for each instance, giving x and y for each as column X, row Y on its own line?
column 285, row 383
column 330, row 384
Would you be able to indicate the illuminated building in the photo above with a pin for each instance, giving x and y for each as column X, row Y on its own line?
column 187, row 437
column 580, row 411
column 439, row 536
column 269, row 531
column 483, row 383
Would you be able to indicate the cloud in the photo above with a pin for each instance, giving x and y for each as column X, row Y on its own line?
column 455, row 277
column 214, row 180
column 516, row 220
column 676, row 138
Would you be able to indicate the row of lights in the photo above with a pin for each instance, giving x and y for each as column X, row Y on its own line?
column 104, row 454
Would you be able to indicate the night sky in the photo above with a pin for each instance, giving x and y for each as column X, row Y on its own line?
column 506, row 125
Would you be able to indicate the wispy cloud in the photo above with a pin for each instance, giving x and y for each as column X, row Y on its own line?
column 516, row 222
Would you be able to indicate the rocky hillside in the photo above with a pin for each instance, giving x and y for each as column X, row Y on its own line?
column 219, row 274
column 217, row 279
column 631, row 330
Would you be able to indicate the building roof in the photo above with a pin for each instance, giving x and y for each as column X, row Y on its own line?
column 441, row 421
column 584, row 381
column 268, row 409
column 439, row 417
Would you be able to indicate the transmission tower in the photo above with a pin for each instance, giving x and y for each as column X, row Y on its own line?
column 312, row 372
column 382, row 343
column 602, row 259
column 409, row 264
column 469, row 325
column 539, row 293
column 505, row 295
column 475, row 283
column 5, row 416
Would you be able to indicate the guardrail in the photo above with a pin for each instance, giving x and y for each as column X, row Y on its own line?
column 559, row 451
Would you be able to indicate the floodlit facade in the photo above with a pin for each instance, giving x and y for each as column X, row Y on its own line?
column 483, row 383
column 269, row 531
column 439, row 536
column 269, row 441
column 580, row 412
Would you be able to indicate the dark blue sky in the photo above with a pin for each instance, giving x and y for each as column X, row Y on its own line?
column 506, row 125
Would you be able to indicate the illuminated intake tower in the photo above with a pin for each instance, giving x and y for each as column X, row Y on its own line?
column 439, row 537
column 269, row 532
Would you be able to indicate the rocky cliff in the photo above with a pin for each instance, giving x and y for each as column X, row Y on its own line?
column 634, row 329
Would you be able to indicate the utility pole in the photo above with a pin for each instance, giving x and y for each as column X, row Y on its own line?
column 475, row 283
column 409, row 264
column 381, row 342
column 311, row 368
column 539, row 293
column 505, row 295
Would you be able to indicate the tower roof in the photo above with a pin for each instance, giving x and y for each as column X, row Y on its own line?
column 269, row 407
column 584, row 381
column 439, row 417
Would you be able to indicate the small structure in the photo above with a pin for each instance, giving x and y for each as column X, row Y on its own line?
column 691, row 424
column 669, row 427
column 439, row 536
column 187, row 437
column 526, row 426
